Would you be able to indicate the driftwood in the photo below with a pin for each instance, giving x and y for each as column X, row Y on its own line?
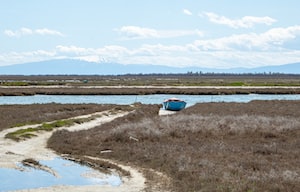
column 133, row 138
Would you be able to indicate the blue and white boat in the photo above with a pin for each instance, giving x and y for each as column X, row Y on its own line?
column 174, row 104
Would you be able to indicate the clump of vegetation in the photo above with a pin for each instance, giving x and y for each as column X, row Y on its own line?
column 238, row 83
column 57, row 124
column 23, row 134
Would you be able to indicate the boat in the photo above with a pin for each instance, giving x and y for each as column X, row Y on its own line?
column 174, row 104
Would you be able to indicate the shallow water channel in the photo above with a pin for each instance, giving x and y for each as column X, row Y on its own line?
column 68, row 173
column 145, row 99
column 71, row 173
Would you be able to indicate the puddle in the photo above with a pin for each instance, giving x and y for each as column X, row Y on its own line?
column 69, row 173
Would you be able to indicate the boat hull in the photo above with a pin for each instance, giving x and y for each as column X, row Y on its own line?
column 174, row 105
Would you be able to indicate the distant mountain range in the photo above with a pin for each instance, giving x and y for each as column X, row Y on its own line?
column 77, row 67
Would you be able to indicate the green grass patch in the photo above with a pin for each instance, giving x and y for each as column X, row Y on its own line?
column 16, row 83
column 56, row 124
column 237, row 84
column 23, row 134
column 23, row 124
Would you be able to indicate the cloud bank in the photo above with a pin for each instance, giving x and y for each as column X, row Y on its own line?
column 248, row 50
column 244, row 22
column 270, row 40
column 26, row 31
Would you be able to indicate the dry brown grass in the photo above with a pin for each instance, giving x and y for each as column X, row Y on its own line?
column 188, row 79
column 209, row 147
column 17, row 115
column 11, row 91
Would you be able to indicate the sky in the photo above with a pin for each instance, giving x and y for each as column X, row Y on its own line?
column 179, row 33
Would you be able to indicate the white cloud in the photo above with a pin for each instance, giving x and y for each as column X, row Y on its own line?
column 185, row 55
column 26, row 31
column 173, row 55
column 270, row 40
column 18, row 33
column 46, row 31
column 179, row 33
column 9, row 33
column 187, row 12
column 244, row 22
column 24, row 57
column 73, row 50
column 248, row 50
column 135, row 32
column 107, row 53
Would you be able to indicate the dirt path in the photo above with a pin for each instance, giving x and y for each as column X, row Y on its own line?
column 12, row 152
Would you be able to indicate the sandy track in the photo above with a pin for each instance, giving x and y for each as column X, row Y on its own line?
column 12, row 152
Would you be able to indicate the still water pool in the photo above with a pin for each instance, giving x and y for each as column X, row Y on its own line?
column 69, row 173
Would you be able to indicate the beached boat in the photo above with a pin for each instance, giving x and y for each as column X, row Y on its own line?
column 174, row 104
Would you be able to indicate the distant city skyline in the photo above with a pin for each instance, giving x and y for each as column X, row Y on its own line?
column 202, row 33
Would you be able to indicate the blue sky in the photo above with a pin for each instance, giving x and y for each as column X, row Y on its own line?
column 203, row 33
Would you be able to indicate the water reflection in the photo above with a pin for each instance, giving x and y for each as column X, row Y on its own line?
column 69, row 173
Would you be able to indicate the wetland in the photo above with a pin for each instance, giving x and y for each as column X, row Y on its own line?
column 215, row 144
